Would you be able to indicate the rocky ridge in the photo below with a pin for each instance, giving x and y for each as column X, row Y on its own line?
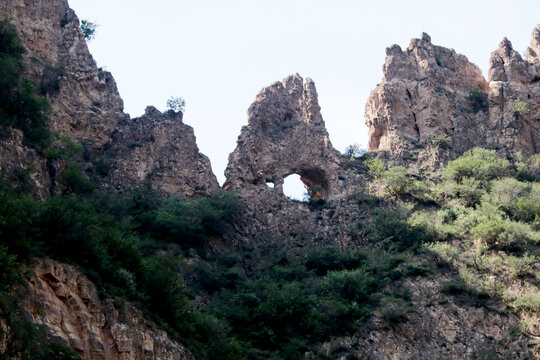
column 426, row 93
column 159, row 148
column 86, row 105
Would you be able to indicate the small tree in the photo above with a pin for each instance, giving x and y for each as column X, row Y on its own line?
column 520, row 108
column 88, row 29
column 176, row 104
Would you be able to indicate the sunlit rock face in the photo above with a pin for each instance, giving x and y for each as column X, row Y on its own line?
column 514, row 96
column 159, row 148
column 85, row 102
column 424, row 93
column 62, row 299
column 285, row 135
column 85, row 105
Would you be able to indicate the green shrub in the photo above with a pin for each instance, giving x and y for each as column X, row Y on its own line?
column 520, row 108
column 478, row 100
column 397, row 182
column 480, row 164
column 375, row 167
column 504, row 234
column 442, row 142
column 20, row 105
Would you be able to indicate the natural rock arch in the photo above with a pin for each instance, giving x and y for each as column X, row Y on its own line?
column 285, row 135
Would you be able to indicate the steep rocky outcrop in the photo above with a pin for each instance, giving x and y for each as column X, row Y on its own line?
column 285, row 135
column 161, row 149
column 441, row 328
column 424, row 93
column 63, row 299
column 514, row 96
column 84, row 100
column 86, row 105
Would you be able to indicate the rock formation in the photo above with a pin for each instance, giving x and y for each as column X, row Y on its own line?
column 66, row 302
column 514, row 96
column 160, row 148
column 443, row 329
column 424, row 93
column 85, row 103
column 285, row 135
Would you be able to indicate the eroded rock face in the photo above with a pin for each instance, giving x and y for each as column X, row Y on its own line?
column 285, row 135
column 515, row 85
column 442, row 328
column 63, row 299
column 84, row 100
column 160, row 148
column 85, row 105
column 424, row 93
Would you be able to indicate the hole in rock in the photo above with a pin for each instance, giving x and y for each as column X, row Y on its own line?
column 270, row 184
column 293, row 187
column 309, row 185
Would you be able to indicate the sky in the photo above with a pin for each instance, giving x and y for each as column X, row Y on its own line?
column 218, row 55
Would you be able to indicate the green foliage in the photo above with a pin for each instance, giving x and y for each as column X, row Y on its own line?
column 75, row 182
column 441, row 142
column 391, row 229
column 520, row 108
column 353, row 152
column 375, row 168
column 397, row 181
column 115, row 239
column 177, row 104
column 20, row 106
column 478, row 100
column 287, row 300
column 480, row 164
column 88, row 29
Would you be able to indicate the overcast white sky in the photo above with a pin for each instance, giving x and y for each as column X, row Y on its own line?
column 218, row 55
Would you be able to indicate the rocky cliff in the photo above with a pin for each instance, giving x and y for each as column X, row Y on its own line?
column 430, row 91
column 286, row 135
column 514, row 96
column 161, row 149
column 424, row 93
column 86, row 105
column 84, row 99
column 67, row 303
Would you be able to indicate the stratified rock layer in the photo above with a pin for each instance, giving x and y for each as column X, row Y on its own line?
column 424, row 93
column 285, row 135
column 67, row 304
column 514, row 81
column 160, row 148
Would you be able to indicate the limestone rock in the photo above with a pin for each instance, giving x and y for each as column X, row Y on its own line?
column 160, row 148
column 84, row 100
column 285, row 135
column 424, row 93
column 515, row 85
column 62, row 299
